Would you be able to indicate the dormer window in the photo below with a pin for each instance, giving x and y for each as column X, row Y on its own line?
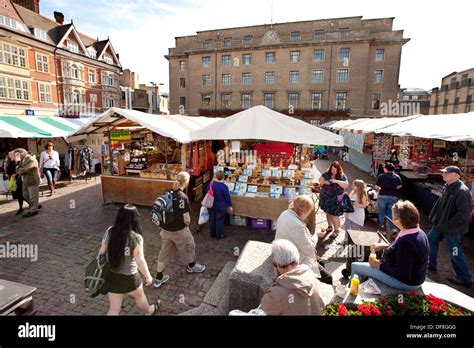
column 40, row 34
column 108, row 59
column 92, row 54
column 11, row 23
column 72, row 46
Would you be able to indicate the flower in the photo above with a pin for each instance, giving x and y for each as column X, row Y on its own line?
column 434, row 308
column 413, row 293
column 389, row 313
column 342, row 310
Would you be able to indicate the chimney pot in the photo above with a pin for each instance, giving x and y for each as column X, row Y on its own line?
column 59, row 17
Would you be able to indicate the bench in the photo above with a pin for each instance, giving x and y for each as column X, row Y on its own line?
column 16, row 298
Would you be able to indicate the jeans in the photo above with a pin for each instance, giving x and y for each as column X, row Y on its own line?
column 50, row 174
column 455, row 253
column 216, row 223
column 364, row 269
column 385, row 204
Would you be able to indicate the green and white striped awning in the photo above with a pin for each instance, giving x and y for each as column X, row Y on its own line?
column 38, row 127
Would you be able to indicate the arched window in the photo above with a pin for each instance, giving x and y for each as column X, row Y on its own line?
column 76, row 97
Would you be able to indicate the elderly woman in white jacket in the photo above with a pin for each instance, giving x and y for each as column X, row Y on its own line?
column 291, row 226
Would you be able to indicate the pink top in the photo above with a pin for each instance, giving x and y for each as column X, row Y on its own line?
column 407, row 232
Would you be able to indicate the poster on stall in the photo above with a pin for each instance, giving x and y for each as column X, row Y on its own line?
column 404, row 155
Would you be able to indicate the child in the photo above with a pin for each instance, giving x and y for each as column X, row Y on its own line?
column 360, row 200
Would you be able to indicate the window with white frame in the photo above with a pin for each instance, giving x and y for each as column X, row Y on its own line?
column 246, row 100
column 379, row 54
column 344, row 53
column 342, row 76
column 12, row 88
column 76, row 97
column 11, row 23
column 378, row 76
column 225, row 101
column 227, row 42
column 12, row 55
column 109, row 80
column 72, row 46
column 318, row 76
column 269, row 57
column 226, row 60
column 294, row 77
column 206, row 80
column 269, row 77
column 247, row 58
column 295, row 36
column 182, row 65
column 92, row 54
column 110, row 101
column 40, row 34
column 294, row 56
column 91, row 75
column 75, row 72
column 108, row 59
column 226, row 79
column 44, row 92
column 248, row 40
column 344, row 32
column 318, row 55
column 316, row 99
column 319, row 34
column 269, row 100
column 42, row 63
column 206, row 62
column 206, row 101
column 207, row 43
column 293, row 100
column 341, row 99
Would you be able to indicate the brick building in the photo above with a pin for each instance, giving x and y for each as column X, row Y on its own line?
column 49, row 68
column 455, row 95
column 319, row 69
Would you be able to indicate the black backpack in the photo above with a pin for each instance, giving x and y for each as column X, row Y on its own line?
column 162, row 211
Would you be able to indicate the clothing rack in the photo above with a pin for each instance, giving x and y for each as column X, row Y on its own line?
column 88, row 172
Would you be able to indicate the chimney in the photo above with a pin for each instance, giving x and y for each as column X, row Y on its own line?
column 32, row 5
column 59, row 17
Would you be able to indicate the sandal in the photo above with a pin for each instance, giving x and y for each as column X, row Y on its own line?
column 334, row 234
column 156, row 307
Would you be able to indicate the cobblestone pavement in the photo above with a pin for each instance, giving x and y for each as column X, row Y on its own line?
column 71, row 224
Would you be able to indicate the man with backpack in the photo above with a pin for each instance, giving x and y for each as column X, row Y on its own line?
column 175, row 232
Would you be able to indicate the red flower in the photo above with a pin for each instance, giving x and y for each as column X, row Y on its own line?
column 375, row 311
column 342, row 310
column 389, row 313
column 454, row 315
column 365, row 309
column 402, row 304
column 413, row 293
column 434, row 308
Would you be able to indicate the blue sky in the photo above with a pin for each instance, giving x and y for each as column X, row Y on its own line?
column 143, row 30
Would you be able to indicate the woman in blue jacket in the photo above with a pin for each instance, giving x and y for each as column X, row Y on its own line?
column 222, row 206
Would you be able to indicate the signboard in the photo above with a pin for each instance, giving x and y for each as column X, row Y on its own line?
column 120, row 136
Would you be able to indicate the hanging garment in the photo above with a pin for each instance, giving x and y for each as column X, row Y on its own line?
column 197, row 169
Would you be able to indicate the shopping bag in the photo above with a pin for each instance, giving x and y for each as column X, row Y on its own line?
column 203, row 216
column 4, row 185
column 208, row 200
column 13, row 185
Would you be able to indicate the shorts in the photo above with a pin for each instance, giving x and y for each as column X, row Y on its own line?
column 181, row 242
column 122, row 284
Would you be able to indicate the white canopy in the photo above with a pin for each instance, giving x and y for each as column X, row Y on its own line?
column 451, row 127
column 263, row 123
column 177, row 127
column 343, row 123
column 371, row 125
column 38, row 126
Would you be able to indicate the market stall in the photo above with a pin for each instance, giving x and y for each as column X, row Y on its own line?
column 262, row 178
column 143, row 154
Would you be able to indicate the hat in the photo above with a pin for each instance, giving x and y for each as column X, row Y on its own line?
column 389, row 166
column 451, row 169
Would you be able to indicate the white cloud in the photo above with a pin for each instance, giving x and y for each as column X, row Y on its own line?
column 142, row 31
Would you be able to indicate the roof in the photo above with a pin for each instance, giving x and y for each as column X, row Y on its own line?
column 177, row 127
column 375, row 124
column 38, row 127
column 262, row 123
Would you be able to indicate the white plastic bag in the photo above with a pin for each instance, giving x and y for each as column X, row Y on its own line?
column 203, row 216
column 4, row 185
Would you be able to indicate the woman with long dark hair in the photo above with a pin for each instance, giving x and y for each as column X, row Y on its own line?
column 123, row 244
column 333, row 183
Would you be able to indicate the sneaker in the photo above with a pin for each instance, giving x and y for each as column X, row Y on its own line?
column 158, row 282
column 197, row 268
column 460, row 282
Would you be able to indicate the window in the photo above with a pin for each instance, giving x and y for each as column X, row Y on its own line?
column 207, row 43
column 93, row 98
column 225, row 101
column 344, row 32
column 468, row 107
column 110, row 102
column 75, row 72
column 269, row 57
column 182, row 65
column 319, row 35
column 379, row 54
column 318, row 76
column 341, row 99
column 247, row 59
column 227, row 42
column 206, row 101
column 248, row 40
column 108, row 80
column 342, row 76
column 316, row 99
column 226, row 79
column 246, row 78
column 206, row 80
column 44, row 92
column 9, row 22
column 268, row 100
column 318, row 56
column 11, row 88
column 12, row 55
column 378, row 76
column 182, row 102
column 246, row 100
column 76, row 97
column 42, row 63
column 40, row 34
column 293, row 100
column 108, row 59
column 92, row 54
column 294, row 56
column 206, row 62
column 294, row 77
column 344, row 53
column 226, row 60
column 182, row 83
column 295, row 36
column 376, row 101
column 91, row 75
column 269, row 77
column 72, row 46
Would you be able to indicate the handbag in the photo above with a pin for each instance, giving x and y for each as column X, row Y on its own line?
column 208, row 200
column 96, row 274
column 13, row 185
column 345, row 203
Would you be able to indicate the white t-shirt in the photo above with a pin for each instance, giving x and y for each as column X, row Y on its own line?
column 49, row 161
column 358, row 216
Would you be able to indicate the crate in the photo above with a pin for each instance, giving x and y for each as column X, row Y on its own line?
column 260, row 223
column 237, row 220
